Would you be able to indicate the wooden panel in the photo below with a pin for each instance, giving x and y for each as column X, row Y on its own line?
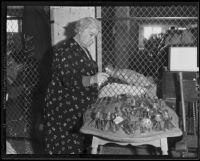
column 169, row 82
column 170, row 85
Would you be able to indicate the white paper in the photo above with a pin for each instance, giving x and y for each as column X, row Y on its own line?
column 183, row 59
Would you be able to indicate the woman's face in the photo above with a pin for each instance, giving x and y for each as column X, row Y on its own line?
column 87, row 36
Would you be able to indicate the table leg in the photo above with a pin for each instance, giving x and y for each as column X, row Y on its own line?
column 95, row 144
column 164, row 146
column 100, row 149
column 94, row 150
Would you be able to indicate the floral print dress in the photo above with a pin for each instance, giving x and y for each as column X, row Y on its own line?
column 67, row 99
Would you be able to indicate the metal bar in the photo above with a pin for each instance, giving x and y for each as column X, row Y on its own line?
column 14, row 18
column 194, row 118
column 182, row 101
column 150, row 18
column 98, row 41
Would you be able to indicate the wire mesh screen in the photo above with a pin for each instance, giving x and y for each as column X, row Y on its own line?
column 134, row 42
column 22, row 76
column 136, row 39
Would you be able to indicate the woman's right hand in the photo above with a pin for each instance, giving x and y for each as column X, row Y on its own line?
column 99, row 78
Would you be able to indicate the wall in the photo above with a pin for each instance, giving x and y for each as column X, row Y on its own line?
column 62, row 17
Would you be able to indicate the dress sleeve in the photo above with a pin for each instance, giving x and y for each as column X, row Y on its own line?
column 68, row 67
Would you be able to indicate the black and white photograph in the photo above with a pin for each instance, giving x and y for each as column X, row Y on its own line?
column 100, row 80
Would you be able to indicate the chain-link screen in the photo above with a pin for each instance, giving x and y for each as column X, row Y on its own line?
column 22, row 77
column 135, row 43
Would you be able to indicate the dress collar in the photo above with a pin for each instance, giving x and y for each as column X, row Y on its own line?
column 85, row 50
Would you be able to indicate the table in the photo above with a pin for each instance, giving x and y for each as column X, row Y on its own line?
column 160, row 142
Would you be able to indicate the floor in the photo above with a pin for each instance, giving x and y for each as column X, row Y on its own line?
column 145, row 150
column 110, row 150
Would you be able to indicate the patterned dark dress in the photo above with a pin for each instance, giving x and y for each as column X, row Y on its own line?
column 67, row 99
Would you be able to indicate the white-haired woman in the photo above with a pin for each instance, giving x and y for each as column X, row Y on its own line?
column 73, row 88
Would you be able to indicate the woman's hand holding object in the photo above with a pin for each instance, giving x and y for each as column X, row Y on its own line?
column 99, row 78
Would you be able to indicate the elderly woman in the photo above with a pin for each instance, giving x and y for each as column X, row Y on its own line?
column 73, row 88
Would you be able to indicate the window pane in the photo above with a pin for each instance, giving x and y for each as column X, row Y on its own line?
column 12, row 26
column 147, row 32
column 157, row 30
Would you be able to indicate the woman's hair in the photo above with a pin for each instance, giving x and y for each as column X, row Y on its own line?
column 86, row 22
